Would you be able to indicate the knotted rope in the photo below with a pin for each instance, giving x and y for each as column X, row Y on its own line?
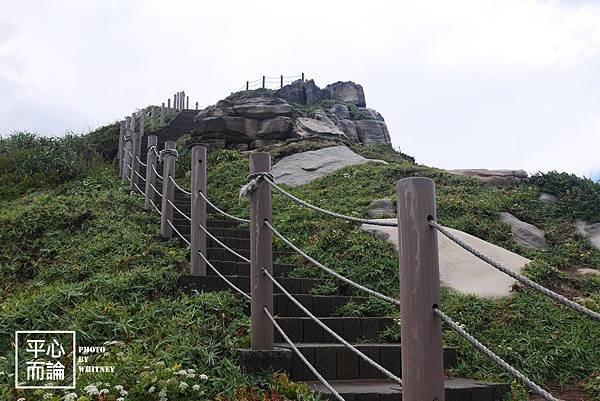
column 252, row 184
column 172, row 152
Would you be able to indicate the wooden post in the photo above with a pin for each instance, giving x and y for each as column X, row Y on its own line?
column 168, row 192
column 121, row 144
column 137, row 150
column 303, row 77
column 127, row 148
column 261, row 255
column 198, row 236
column 187, row 102
column 247, row 85
column 149, row 194
column 196, row 105
column 162, row 113
column 421, row 330
column 281, row 85
column 263, row 81
column 175, row 105
column 169, row 105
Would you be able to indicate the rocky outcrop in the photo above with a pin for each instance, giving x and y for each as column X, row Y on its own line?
column 523, row 233
column 249, row 119
column 460, row 270
column 588, row 272
column 382, row 208
column 494, row 177
column 548, row 199
column 591, row 231
column 302, row 168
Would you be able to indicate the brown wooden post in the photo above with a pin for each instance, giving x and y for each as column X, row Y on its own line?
column 281, row 85
column 196, row 105
column 263, row 81
column 149, row 194
column 197, row 235
column 135, row 159
column 247, row 85
column 421, row 330
column 175, row 105
column 302, row 77
column 126, row 148
column 261, row 255
column 121, row 144
column 187, row 102
column 168, row 191
column 169, row 106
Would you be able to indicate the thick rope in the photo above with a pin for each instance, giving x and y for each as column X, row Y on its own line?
column 139, row 161
column 519, row 277
column 332, row 272
column 253, row 184
column 330, row 331
column 188, row 218
column 495, row 358
column 138, row 188
column 154, row 149
column 164, row 152
column 139, row 175
column 157, row 209
column 242, row 293
column 302, row 357
column 245, row 259
column 178, row 186
column 154, row 189
column 156, row 172
column 178, row 233
column 221, row 211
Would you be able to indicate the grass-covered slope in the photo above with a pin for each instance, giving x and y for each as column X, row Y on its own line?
column 82, row 254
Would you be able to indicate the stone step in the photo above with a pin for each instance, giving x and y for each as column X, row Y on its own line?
column 351, row 329
column 240, row 268
column 318, row 305
column 225, row 255
column 215, row 283
column 336, row 362
column 456, row 389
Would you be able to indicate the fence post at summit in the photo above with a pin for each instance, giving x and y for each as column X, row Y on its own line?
column 421, row 330
column 261, row 255
column 135, row 159
column 168, row 191
column 149, row 194
column 121, row 144
column 263, row 85
column 281, row 83
column 198, row 213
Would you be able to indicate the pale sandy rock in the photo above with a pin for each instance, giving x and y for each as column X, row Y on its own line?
column 494, row 177
column 460, row 270
column 589, row 272
column 548, row 198
column 589, row 230
column 523, row 233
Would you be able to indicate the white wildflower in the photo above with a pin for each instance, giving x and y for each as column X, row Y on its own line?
column 104, row 391
column 203, row 377
column 71, row 397
column 91, row 390
column 124, row 393
column 21, row 399
column 181, row 372
column 191, row 371
column 48, row 396
column 183, row 385
column 151, row 389
column 120, row 399
column 196, row 387
column 118, row 387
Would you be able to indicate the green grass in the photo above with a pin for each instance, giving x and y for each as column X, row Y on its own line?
column 83, row 255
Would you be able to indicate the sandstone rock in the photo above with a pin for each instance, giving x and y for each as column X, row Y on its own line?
column 306, row 126
column 300, row 92
column 460, row 270
column 370, row 114
column 275, row 128
column 262, row 111
column 591, row 231
column 382, row 208
column 340, row 111
column 241, row 125
column 347, row 92
column 548, row 198
column 349, row 129
column 259, row 143
column 302, row 168
column 494, row 177
column 262, row 100
column 523, row 233
column 589, row 272
column 312, row 92
column 372, row 131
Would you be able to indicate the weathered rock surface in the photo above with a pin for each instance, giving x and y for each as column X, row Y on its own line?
column 548, row 198
column 302, row 168
column 494, row 177
column 347, row 92
column 382, row 208
column 523, row 233
column 462, row 271
column 589, row 272
column 248, row 116
column 591, row 231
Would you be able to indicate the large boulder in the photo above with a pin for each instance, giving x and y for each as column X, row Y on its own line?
column 306, row 126
column 591, row 231
column 299, row 92
column 340, row 111
column 347, row 92
column 494, row 177
column 275, row 128
column 460, row 270
column 372, row 131
column 370, row 114
column 349, row 129
column 523, row 233
column 240, row 125
column 261, row 111
column 302, row 168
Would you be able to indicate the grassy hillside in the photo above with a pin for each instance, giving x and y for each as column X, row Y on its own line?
column 79, row 253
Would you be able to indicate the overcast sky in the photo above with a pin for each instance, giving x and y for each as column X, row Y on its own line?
column 461, row 84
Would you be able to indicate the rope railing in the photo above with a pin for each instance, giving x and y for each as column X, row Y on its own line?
column 232, row 251
column 218, row 273
column 254, row 178
column 178, row 233
column 138, row 188
column 140, row 161
column 493, row 357
column 155, row 190
column 212, row 205
column 519, row 277
column 331, row 332
column 302, row 357
column 179, row 187
column 188, row 218
column 154, row 205
column 330, row 271
column 140, row 176
column 158, row 175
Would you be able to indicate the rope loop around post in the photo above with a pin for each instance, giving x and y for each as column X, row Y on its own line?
column 172, row 152
column 253, row 180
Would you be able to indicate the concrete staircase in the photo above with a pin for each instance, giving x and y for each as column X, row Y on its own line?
column 353, row 378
